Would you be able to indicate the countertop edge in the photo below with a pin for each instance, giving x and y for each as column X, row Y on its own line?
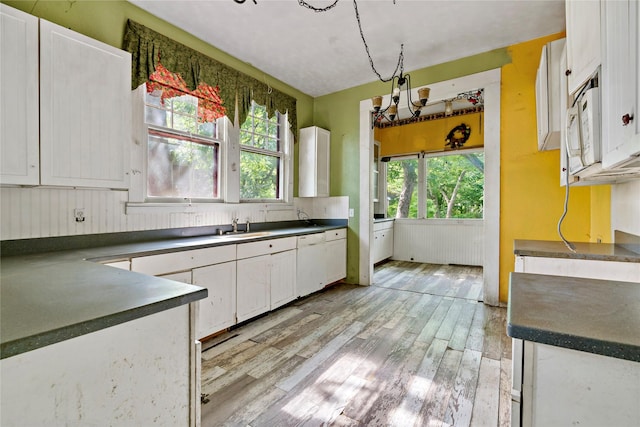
column 34, row 342
column 584, row 250
column 101, row 254
column 588, row 345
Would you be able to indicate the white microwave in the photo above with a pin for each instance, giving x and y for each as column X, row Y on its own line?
column 583, row 131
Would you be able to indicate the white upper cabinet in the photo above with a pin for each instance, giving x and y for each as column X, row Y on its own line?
column 85, row 110
column 313, row 163
column 548, row 93
column 620, row 84
column 583, row 41
column 19, row 157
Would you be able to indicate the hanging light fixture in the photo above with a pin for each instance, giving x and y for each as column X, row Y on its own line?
column 399, row 83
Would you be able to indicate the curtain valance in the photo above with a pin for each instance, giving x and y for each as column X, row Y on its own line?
column 148, row 48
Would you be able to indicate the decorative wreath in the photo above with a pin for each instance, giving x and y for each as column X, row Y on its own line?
column 458, row 136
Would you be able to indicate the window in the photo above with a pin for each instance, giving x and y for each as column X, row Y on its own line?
column 452, row 187
column 261, row 156
column 183, row 153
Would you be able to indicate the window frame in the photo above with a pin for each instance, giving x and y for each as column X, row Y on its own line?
column 422, row 179
column 228, row 136
column 282, row 154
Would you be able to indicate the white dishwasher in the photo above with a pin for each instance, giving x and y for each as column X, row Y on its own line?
column 311, row 276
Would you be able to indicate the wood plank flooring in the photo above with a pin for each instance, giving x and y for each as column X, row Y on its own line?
column 414, row 349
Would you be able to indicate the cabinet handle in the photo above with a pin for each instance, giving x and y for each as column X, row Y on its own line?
column 566, row 73
column 270, row 246
column 626, row 119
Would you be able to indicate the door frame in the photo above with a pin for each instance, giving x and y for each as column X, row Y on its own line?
column 490, row 81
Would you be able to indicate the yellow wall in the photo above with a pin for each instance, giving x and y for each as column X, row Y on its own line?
column 531, row 200
column 427, row 136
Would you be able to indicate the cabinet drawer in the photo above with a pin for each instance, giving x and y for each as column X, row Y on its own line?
column 264, row 247
column 184, row 260
column 335, row 234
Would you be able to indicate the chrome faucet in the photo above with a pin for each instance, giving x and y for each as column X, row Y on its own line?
column 248, row 226
column 234, row 224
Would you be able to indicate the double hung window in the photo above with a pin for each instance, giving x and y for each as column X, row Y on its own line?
column 183, row 151
column 261, row 155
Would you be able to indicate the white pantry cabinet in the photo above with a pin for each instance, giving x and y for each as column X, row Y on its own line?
column 583, row 41
column 85, row 110
column 19, row 129
column 335, row 254
column 266, row 276
column 313, row 162
column 620, row 84
column 548, row 93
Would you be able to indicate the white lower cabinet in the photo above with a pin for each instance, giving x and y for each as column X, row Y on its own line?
column 311, row 270
column 218, row 310
column 335, row 255
column 283, row 278
column 253, row 280
column 554, row 386
column 382, row 241
column 563, row 387
column 266, row 276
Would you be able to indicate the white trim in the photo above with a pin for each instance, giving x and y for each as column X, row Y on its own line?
column 490, row 81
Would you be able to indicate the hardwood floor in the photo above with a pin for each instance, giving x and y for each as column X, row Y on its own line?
column 414, row 349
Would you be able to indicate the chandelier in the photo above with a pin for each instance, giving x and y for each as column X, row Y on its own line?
column 398, row 83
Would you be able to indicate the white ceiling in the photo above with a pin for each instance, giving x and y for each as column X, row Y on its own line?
column 321, row 53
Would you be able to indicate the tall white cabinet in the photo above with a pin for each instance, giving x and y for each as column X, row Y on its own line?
column 313, row 162
column 19, row 103
column 66, row 110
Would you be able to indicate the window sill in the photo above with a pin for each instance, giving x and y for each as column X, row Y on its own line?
column 151, row 207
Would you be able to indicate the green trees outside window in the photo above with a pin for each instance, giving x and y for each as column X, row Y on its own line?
column 454, row 186
column 261, row 155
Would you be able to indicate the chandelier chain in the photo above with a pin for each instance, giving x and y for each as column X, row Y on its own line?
column 317, row 9
column 399, row 65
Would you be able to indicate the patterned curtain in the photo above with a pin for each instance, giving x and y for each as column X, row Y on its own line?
column 171, row 85
column 151, row 50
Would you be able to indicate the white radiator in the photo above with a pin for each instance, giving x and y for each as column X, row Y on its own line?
column 439, row 241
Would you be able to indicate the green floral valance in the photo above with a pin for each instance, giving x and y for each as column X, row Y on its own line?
column 148, row 48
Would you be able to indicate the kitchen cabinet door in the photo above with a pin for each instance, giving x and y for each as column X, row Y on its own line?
column 583, row 41
column 85, row 110
column 564, row 387
column 311, row 270
column 313, row 162
column 19, row 109
column 548, row 93
column 620, row 83
column 336, row 259
column 283, row 278
column 253, row 287
column 218, row 310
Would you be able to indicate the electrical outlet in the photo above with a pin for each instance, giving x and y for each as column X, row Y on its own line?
column 351, row 212
column 78, row 214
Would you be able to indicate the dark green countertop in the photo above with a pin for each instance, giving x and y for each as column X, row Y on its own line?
column 590, row 251
column 595, row 316
column 48, row 297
